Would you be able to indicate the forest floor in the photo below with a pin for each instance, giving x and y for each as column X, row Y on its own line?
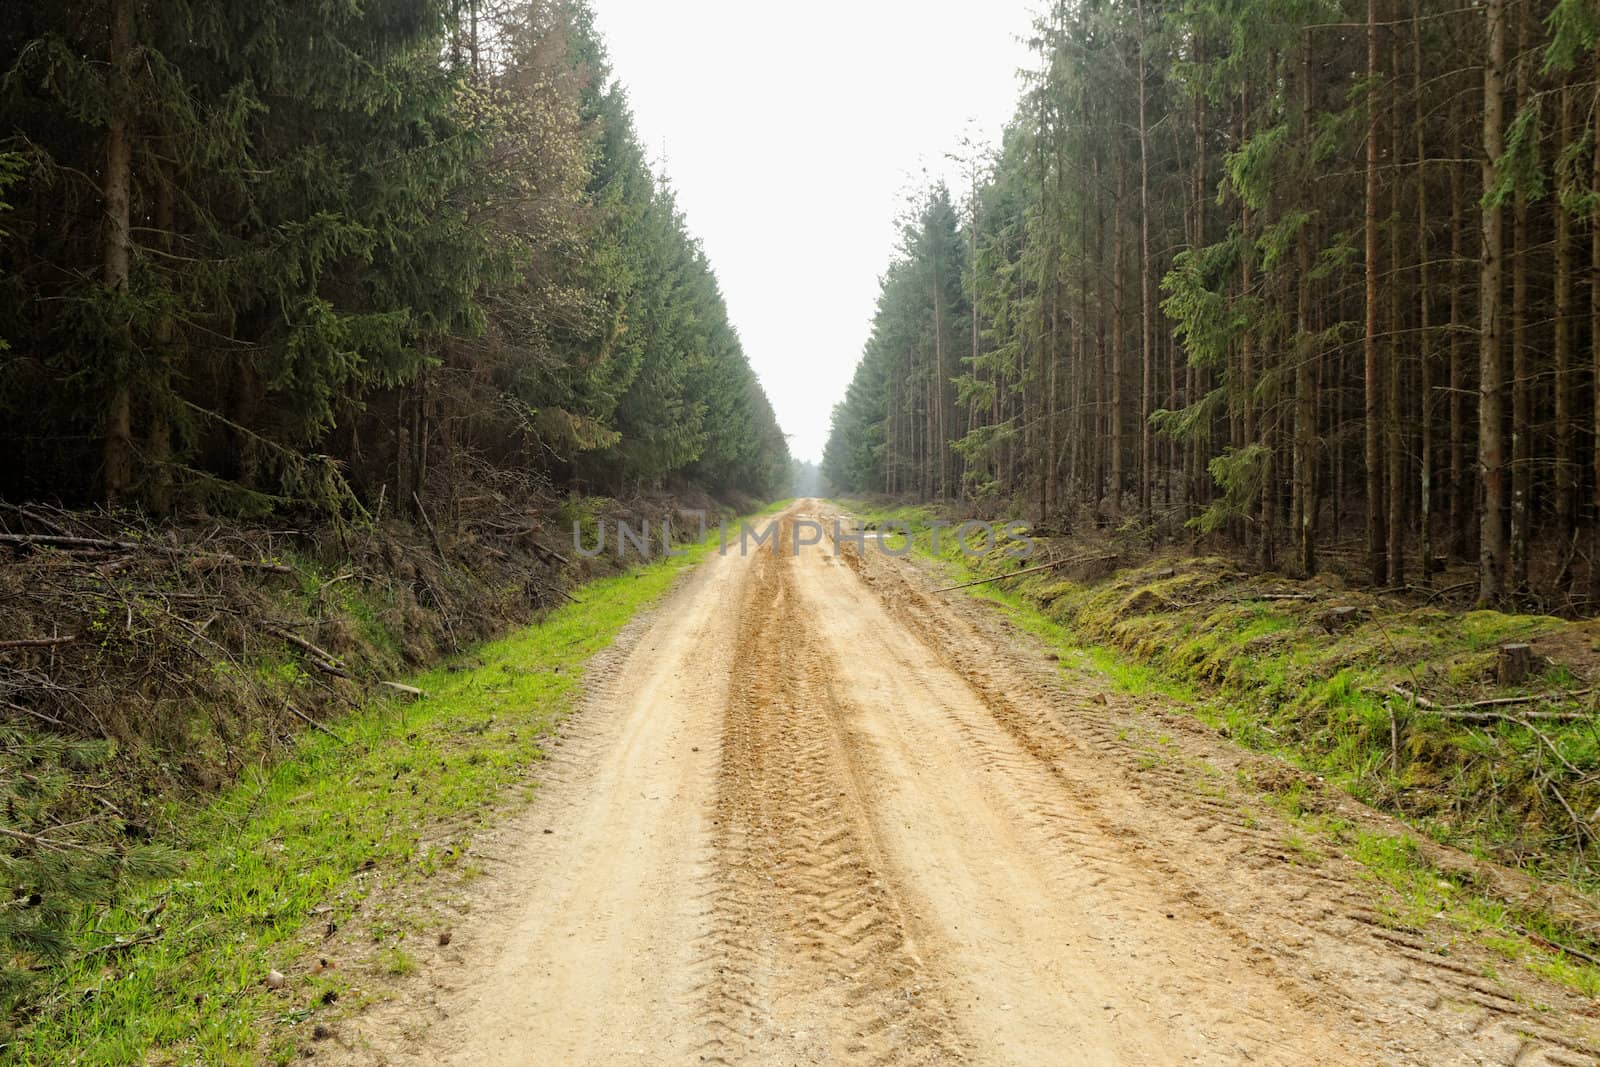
column 811, row 812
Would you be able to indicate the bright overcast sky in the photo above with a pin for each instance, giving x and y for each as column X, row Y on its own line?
column 793, row 135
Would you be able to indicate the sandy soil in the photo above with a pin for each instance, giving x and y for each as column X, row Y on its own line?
column 813, row 814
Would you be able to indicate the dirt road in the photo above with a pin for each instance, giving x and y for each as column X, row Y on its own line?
column 815, row 815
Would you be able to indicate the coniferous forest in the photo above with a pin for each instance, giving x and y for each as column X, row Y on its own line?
column 270, row 257
column 1320, row 279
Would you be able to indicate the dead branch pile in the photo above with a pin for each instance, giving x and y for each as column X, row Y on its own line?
column 198, row 648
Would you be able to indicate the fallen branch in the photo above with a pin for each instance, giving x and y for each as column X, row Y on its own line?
column 1449, row 589
column 1247, row 597
column 148, row 937
column 438, row 546
column 305, row 646
column 38, row 642
column 549, row 552
column 211, row 561
column 313, row 723
column 41, row 716
column 1482, row 708
column 319, row 658
column 408, row 690
column 34, row 516
column 1580, row 827
column 106, row 545
column 1540, row 939
column 1028, row 570
column 42, row 842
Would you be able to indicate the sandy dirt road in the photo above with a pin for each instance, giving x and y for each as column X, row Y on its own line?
column 812, row 814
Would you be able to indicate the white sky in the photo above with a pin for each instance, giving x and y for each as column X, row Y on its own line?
column 794, row 134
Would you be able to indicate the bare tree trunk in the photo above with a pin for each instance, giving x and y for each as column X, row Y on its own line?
column 1566, row 488
column 938, row 429
column 1146, row 303
column 158, row 439
column 1521, row 362
column 1305, row 356
column 117, row 250
column 1200, row 444
column 1461, row 485
column 1377, row 563
column 1119, row 273
column 1424, row 310
column 1103, row 420
column 1491, row 369
column 1395, row 396
column 972, row 418
column 1594, row 339
column 1247, row 347
column 1051, row 494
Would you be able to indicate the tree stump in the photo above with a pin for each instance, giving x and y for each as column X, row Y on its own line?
column 1513, row 664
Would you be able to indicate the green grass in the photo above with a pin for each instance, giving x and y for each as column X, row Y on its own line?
column 301, row 844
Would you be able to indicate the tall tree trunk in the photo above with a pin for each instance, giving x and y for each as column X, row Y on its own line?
column 1377, row 563
column 1594, row 341
column 1200, row 444
column 1566, row 488
column 1052, row 453
column 158, row 438
column 1424, row 311
column 117, row 190
column 1462, row 486
column 1395, row 395
column 1247, row 346
column 1103, row 357
column 1119, row 274
column 1491, row 369
column 1146, row 303
column 1521, row 360
column 937, row 428
column 1305, row 356
column 973, row 311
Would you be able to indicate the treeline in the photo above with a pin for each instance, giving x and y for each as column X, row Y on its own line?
column 330, row 256
column 1301, row 273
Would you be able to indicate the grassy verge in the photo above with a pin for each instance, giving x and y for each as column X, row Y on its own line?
column 1263, row 673
column 177, row 972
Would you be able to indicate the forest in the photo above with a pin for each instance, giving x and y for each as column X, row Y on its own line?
column 1316, row 279
column 319, row 259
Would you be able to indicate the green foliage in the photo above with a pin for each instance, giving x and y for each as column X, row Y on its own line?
column 55, row 873
column 1240, row 472
column 1574, row 28
column 1519, row 172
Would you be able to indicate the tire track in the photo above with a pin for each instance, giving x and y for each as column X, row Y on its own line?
column 807, row 942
